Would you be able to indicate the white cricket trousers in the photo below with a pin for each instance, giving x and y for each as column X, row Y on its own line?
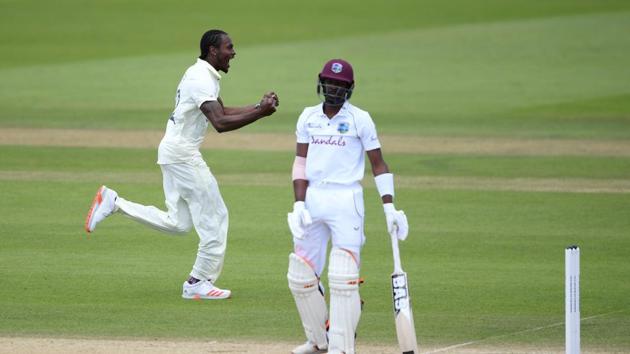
column 192, row 199
column 338, row 215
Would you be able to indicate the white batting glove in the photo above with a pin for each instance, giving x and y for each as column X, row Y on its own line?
column 396, row 221
column 299, row 219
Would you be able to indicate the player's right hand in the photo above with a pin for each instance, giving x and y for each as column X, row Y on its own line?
column 268, row 104
column 299, row 220
column 396, row 221
column 274, row 96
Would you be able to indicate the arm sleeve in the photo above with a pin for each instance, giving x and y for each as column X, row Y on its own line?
column 202, row 91
column 367, row 134
column 301, row 132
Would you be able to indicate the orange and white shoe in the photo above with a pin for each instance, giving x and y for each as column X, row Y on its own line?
column 102, row 206
column 204, row 290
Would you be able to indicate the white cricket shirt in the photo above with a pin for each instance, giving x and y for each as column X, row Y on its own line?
column 336, row 150
column 186, row 128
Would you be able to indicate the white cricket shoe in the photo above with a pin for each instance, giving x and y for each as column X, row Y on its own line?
column 102, row 207
column 204, row 290
column 309, row 348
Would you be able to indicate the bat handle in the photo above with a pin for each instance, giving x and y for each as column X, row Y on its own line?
column 396, row 252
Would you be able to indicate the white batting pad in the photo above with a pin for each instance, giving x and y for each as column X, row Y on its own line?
column 345, row 303
column 310, row 302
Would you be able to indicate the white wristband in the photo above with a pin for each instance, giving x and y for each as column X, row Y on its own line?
column 385, row 184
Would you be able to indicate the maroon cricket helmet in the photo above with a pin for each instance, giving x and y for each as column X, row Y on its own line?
column 338, row 69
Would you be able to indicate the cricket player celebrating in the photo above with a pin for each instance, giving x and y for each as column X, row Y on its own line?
column 191, row 191
column 328, row 167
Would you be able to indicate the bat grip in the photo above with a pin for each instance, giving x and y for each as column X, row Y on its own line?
column 396, row 252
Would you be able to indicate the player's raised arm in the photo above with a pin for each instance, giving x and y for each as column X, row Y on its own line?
column 235, row 118
column 245, row 109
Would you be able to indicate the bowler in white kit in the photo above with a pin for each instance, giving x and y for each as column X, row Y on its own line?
column 191, row 192
column 333, row 138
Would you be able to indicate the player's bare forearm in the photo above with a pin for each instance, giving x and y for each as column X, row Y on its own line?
column 230, row 111
column 236, row 110
column 299, row 189
column 222, row 121
column 378, row 163
column 250, row 108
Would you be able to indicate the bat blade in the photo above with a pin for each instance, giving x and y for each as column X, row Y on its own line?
column 405, row 329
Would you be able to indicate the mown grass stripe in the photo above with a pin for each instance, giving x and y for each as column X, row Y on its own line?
column 286, row 142
column 561, row 185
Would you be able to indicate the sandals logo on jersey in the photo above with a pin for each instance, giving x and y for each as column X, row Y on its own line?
column 343, row 127
column 334, row 140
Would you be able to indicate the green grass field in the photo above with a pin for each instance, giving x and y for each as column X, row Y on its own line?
column 486, row 264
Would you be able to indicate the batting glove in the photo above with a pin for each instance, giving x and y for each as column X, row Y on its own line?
column 396, row 221
column 299, row 219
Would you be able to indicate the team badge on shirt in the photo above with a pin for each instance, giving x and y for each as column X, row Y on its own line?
column 343, row 127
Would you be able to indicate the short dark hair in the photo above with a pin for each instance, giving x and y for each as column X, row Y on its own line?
column 213, row 38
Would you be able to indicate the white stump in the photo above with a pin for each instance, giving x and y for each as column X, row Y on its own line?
column 572, row 299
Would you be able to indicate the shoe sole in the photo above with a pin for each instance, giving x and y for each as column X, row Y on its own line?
column 313, row 351
column 97, row 202
column 206, row 297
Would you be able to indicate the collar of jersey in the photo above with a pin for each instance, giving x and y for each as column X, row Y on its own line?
column 339, row 114
column 210, row 68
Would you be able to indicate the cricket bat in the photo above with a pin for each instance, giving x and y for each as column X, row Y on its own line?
column 405, row 330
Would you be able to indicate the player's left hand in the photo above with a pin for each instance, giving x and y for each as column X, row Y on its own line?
column 299, row 220
column 396, row 221
column 267, row 106
column 272, row 95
